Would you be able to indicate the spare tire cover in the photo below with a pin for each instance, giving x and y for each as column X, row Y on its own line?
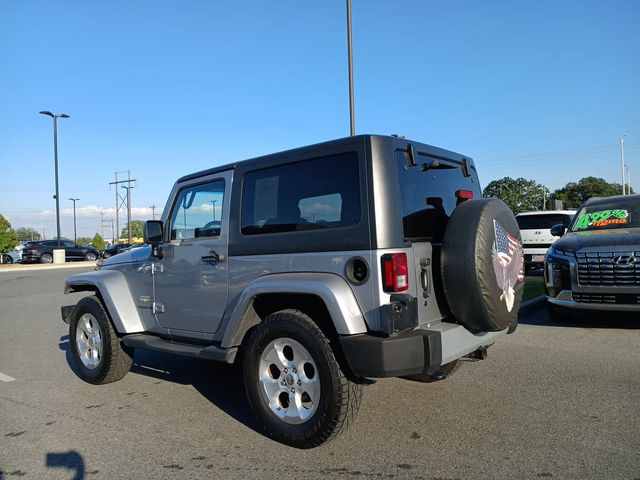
column 482, row 265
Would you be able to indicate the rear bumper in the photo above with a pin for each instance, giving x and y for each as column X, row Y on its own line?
column 416, row 351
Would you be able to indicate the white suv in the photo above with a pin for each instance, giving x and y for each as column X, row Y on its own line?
column 535, row 228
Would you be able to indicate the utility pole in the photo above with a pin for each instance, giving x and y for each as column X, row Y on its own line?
column 351, row 107
column 622, row 160
column 153, row 212
column 628, row 180
column 128, row 212
column 101, row 213
column 121, row 200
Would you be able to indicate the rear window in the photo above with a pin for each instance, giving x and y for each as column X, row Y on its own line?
column 315, row 194
column 542, row 222
column 428, row 192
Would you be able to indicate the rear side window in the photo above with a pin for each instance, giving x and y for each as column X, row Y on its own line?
column 542, row 222
column 428, row 191
column 313, row 194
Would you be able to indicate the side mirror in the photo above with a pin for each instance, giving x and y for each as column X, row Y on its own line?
column 557, row 230
column 153, row 232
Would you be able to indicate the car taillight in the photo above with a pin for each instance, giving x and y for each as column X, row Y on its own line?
column 463, row 195
column 395, row 272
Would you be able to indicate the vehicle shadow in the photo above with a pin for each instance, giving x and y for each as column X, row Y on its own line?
column 221, row 384
column 536, row 313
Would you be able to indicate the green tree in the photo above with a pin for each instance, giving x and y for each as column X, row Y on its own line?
column 83, row 240
column 575, row 194
column 26, row 234
column 519, row 194
column 136, row 229
column 98, row 242
column 8, row 238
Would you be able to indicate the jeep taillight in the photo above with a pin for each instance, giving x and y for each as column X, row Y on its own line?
column 463, row 195
column 395, row 272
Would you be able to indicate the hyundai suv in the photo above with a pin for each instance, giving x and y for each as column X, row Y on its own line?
column 595, row 266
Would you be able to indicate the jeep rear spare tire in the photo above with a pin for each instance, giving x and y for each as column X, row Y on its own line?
column 482, row 265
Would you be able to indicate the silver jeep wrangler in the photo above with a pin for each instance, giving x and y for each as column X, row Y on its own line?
column 316, row 269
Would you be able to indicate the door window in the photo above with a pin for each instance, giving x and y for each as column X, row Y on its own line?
column 197, row 212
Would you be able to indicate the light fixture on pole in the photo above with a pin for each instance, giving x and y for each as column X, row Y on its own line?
column 75, row 234
column 55, row 156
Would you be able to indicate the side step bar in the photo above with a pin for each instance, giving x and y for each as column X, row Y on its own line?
column 145, row 341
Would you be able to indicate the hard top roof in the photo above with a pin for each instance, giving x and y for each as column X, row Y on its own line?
column 257, row 161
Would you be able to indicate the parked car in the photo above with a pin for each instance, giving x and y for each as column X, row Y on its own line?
column 18, row 248
column 319, row 268
column 10, row 257
column 535, row 228
column 595, row 265
column 43, row 251
column 114, row 249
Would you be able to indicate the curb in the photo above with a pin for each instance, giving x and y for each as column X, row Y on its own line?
column 15, row 267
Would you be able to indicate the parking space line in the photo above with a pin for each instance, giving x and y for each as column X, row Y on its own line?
column 6, row 378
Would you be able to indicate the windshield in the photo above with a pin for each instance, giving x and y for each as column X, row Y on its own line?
column 619, row 213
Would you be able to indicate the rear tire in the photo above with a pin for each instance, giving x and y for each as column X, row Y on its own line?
column 46, row 258
column 294, row 384
column 97, row 352
column 90, row 257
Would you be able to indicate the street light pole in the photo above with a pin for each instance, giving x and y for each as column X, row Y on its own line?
column 351, row 107
column 622, row 160
column 75, row 235
column 213, row 208
column 55, row 156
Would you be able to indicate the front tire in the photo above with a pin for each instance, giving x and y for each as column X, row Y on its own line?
column 97, row 352
column 46, row 258
column 294, row 384
column 90, row 257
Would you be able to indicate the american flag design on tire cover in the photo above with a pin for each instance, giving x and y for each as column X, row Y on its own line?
column 508, row 263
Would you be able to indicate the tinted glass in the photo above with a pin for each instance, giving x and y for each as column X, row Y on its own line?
column 428, row 192
column 197, row 211
column 313, row 194
column 542, row 222
column 619, row 213
column 68, row 244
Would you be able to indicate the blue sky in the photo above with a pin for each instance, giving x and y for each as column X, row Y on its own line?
column 542, row 89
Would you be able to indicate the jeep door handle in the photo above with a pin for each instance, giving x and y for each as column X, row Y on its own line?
column 213, row 257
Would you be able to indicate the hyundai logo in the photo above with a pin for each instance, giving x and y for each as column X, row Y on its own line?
column 624, row 260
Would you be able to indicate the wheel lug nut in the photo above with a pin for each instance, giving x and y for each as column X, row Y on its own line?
column 291, row 389
column 299, row 382
column 294, row 370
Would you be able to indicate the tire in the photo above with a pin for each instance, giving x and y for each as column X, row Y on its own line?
column 97, row 352
column 448, row 369
column 482, row 265
column 106, row 255
column 90, row 257
column 287, row 357
column 7, row 259
column 46, row 258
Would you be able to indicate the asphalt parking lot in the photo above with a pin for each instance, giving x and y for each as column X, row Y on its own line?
column 551, row 401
